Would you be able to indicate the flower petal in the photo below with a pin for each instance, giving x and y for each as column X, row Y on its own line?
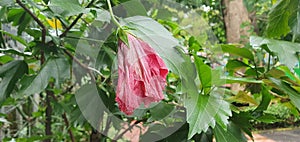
column 142, row 75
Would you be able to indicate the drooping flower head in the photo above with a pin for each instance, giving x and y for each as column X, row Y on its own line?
column 142, row 75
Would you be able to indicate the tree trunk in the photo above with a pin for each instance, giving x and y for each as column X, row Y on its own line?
column 235, row 14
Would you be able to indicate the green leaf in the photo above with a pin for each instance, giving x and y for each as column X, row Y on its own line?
column 134, row 8
column 66, row 7
column 294, row 21
column 122, row 35
column 3, row 120
column 180, row 135
column 265, row 101
column 92, row 105
column 17, row 38
column 5, row 58
column 15, row 52
column 28, row 139
column 286, row 51
column 58, row 68
column 20, row 18
column 297, row 71
column 242, row 120
column 105, row 58
column 231, row 79
column 278, row 19
column 235, row 64
column 85, row 48
column 10, row 74
column 242, row 97
column 204, row 73
column 102, row 15
column 6, row 2
column 267, row 118
column 3, row 14
column 234, row 50
column 274, row 72
column 293, row 94
column 161, row 110
column 232, row 134
column 206, row 111
column 288, row 73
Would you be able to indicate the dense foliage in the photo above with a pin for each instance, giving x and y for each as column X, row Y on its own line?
column 58, row 70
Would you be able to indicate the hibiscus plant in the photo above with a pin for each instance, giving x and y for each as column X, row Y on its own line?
column 92, row 70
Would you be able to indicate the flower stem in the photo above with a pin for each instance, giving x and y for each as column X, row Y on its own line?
column 112, row 14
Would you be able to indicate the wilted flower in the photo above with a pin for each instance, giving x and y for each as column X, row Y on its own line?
column 142, row 75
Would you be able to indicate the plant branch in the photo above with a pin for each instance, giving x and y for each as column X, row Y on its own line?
column 75, row 21
column 64, row 115
column 40, row 23
column 48, row 122
column 49, row 110
column 71, row 26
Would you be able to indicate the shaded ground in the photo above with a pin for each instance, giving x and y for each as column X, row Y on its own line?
column 278, row 135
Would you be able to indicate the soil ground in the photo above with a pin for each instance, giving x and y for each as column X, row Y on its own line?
column 277, row 135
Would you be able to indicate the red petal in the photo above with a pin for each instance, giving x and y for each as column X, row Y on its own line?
column 142, row 75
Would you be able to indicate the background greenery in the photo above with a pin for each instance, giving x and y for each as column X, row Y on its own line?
column 38, row 86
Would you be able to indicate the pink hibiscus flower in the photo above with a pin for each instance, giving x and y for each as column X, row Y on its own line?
column 142, row 75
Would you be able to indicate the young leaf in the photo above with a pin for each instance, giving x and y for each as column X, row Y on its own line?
column 242, row 97
column 204, row 73
column 206, row 111
column 234, row 50
column 10, row 74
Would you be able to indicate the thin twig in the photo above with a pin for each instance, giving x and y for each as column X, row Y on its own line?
column 108, row 122
column 126, row 130
column 71, row 26
column 278, row 96
column 240, row 74
column 80, row 64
